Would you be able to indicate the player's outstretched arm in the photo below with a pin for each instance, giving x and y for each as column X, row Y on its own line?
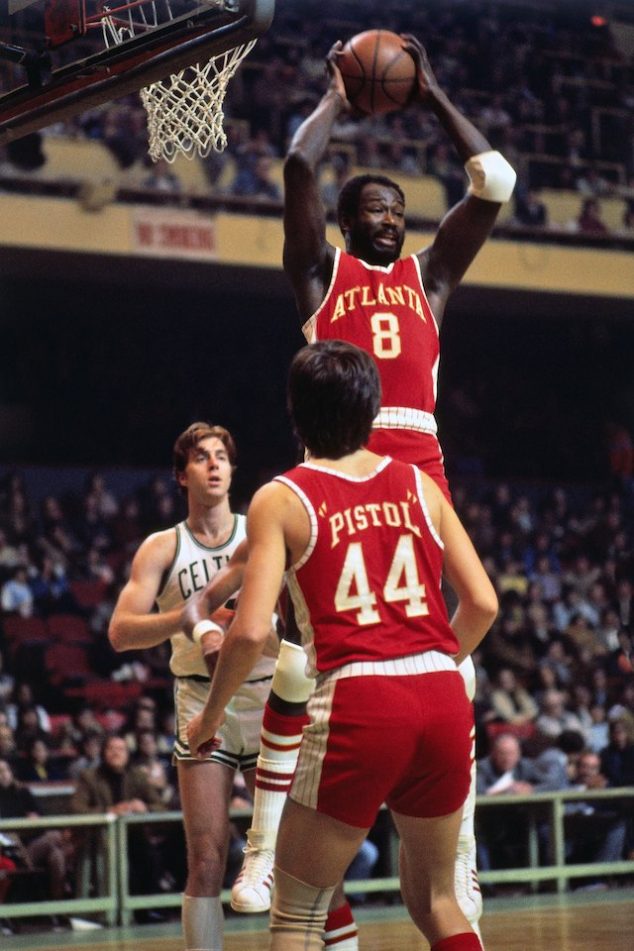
column 307, row 255
column 477, row 600
column 468, row 224
column 247, row 637
column 134, row 624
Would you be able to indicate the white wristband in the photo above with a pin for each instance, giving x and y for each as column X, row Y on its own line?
column 491, row 176
column 204, row 627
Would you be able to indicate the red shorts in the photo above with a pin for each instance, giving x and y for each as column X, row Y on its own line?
column 402, row 740
column 418, row 449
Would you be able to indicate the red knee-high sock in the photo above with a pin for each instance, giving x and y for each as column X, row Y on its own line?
column 459, row 942
column 341, row 929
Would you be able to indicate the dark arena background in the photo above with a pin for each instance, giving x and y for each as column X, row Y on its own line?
column 136, row 298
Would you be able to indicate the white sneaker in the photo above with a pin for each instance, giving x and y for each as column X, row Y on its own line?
column 252, row 888
column 467, row 885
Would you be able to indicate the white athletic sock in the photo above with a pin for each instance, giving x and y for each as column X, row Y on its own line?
column 203, row 923
column 279, row 744
column 467, row 885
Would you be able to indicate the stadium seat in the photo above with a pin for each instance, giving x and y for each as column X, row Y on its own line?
column 69, row 628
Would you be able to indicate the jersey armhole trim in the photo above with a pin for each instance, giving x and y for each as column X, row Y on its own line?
column 168, row 571
column 312, row 517
column 423, row 504
column 424, row 292
column 309, row 328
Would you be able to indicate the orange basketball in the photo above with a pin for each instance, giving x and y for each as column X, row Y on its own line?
column 377, row 72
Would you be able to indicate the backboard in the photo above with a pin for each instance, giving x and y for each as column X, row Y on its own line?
column 60, row 57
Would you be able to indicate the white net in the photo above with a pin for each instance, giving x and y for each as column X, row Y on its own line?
column 185, row 111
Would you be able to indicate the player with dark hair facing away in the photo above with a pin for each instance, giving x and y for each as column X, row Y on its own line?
column 362, row 541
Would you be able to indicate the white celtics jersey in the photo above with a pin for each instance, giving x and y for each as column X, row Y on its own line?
column 194, row 565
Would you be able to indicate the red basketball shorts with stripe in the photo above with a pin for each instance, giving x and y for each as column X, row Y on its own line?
column 402, row 740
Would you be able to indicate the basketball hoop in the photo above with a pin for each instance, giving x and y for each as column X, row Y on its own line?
column 185, row 110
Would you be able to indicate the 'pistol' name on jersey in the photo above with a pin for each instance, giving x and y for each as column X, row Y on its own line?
column 363, row 296
column 371, row 514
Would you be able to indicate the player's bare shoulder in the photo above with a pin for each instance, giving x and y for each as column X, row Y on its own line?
column 157, row 551
column 434, row 499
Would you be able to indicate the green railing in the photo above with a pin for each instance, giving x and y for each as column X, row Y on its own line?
column 118, row 905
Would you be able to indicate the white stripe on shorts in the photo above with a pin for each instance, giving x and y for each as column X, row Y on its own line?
column 429, row 662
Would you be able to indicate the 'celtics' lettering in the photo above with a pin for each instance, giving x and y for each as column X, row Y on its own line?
column 196, row 575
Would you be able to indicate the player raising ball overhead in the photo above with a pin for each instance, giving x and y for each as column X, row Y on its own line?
column 392, row 306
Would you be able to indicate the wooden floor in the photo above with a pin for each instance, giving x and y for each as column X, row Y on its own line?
column 578, row 922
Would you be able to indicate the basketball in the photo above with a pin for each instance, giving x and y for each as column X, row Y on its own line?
column 377, row 72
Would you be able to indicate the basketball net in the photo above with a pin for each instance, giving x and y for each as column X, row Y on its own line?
column 184, row 111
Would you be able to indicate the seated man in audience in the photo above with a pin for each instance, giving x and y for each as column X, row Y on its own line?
column 505, row 772
column 595, row 830
column 49, row 850
column 118, row 788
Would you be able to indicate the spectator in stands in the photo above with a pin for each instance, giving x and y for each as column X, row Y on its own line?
column 162, row 178
column 16, row 596
column 107, row 504
column 126, row 526
column 89, row 753
column 560, row 662
column 50, row 588
column 589, row 220
column 118, row 788
column 510, row 702
column 558, row 762
column 49, row 850
column 504, row 772
column 592, row 184
column 595, row 831
column 38, row 765
column 617, row 759
column 7, row 683
column 24, row 698
column 28, row 729
column 598, row 734
column 57, row 536
column 620, row 663
column 554, row 718
column 9, row 555
column 96, row 567
column 147, row 758
column 8, row 748
column 580, row 705
column 530, row 210
column 256, row 182
column 494, row 119
column 340, row 167
column 443, row 165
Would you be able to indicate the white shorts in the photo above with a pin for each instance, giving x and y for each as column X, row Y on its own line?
column 240, row 733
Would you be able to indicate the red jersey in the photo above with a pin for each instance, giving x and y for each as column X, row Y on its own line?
column 368, row 586
column 385, row 311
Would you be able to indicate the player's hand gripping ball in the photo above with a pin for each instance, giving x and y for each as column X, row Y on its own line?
column 378, row 73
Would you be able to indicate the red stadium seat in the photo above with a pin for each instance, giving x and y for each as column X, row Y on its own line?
column 69, row 628
column 68, row 663
column 88, row 594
